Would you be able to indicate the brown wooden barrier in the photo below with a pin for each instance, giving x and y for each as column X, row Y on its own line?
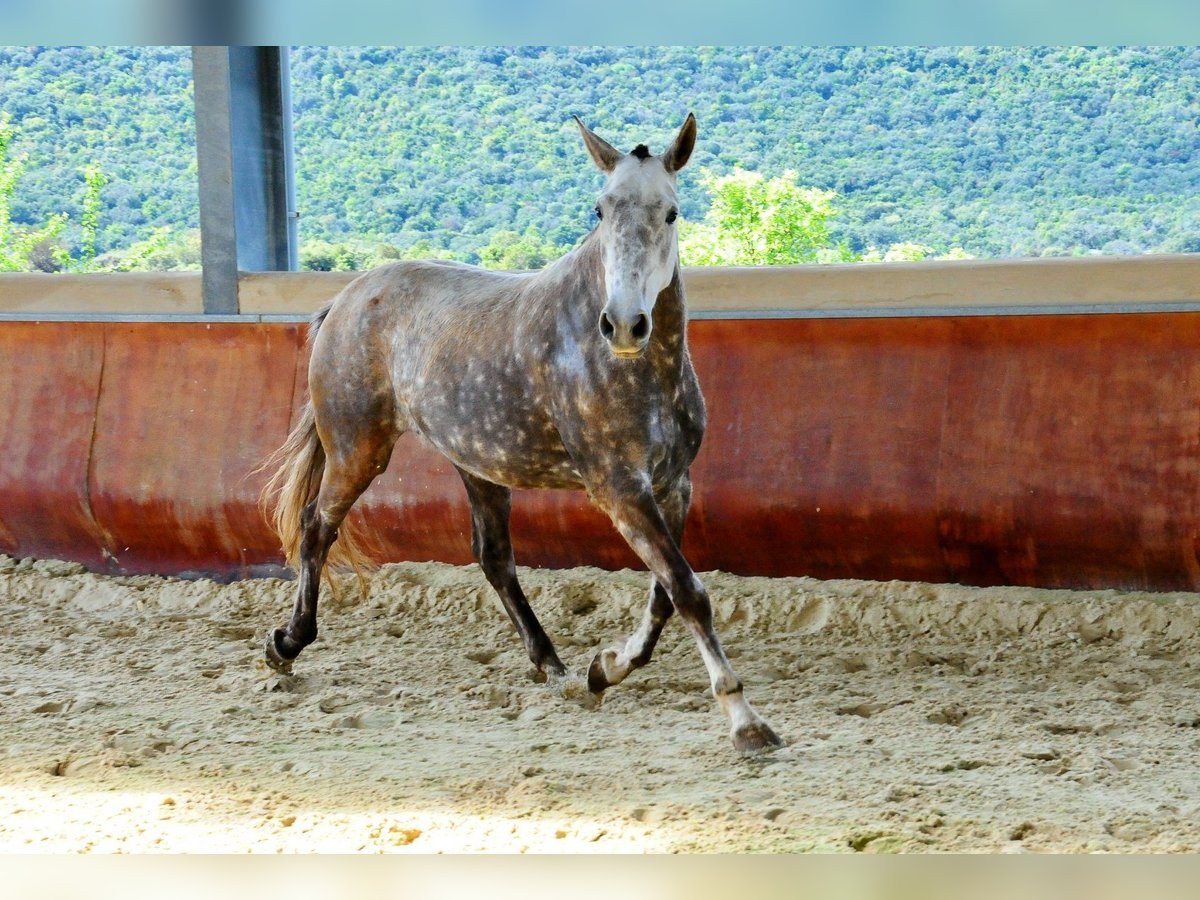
column 186, row 413
column 49, row 383
column 1055, row 450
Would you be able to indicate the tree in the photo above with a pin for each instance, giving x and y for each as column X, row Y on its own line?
column 95, row 180
column 512, row 251
column 323, row 256
column 18, row 245
column 24, row 249
column 758, row 221
column 1003, row 151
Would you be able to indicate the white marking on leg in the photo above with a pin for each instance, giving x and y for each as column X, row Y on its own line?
column 726, row 687
column 617, row 662
column 720, row 673
column 741, row 713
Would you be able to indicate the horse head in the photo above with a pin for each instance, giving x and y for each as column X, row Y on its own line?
column 637, row 209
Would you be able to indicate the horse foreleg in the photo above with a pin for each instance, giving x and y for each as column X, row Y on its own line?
column 613, row 665
column 491, row 505
column 633, row 510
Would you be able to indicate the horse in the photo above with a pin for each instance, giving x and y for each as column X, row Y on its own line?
column 577, row 376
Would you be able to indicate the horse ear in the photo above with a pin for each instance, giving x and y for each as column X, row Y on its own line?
column 603, row 153
column 676, row 158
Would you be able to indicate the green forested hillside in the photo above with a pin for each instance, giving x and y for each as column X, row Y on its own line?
column 126, row 110
column 999, row 151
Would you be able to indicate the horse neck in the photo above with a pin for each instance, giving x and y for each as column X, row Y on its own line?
column 670, row 316
column 576, row 282
column 567, row 295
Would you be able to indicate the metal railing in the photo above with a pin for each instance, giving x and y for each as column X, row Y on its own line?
column 1088, row 285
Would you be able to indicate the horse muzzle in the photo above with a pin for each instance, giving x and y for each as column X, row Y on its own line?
column 627, row 336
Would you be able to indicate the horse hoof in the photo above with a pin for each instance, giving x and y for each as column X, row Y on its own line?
column 755, row 738
column 597, row 679
column 275, row 659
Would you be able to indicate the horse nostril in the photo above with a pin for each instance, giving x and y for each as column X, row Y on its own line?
column 641, row 327
column 606, row 327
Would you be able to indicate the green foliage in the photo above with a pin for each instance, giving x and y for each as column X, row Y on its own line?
column 125, row 112
column 1000, row 151
column 323, row 256
column 905, row 251
column 353, row 256
column 33, row 248
column 512, row 251
column 159, row 252
column 755, row 221
column 90, row 223
column 422, row 249
column 995, row 151
column 20, row 246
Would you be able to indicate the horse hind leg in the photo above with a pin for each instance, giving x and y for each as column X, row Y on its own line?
column 613, row 665
column 285, row 643
column 343, row 481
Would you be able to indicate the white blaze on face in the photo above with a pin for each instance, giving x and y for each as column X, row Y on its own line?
column 640, row 249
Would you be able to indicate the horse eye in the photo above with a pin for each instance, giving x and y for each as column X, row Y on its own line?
column 671, row 216
column 599, row 214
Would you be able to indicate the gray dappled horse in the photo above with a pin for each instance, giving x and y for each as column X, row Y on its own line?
column 577, row 376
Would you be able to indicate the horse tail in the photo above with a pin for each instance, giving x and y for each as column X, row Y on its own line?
column 295, row 482
column 298, row 466
column 318, row 318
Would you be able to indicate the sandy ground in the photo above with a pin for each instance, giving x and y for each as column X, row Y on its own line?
column 135, row 715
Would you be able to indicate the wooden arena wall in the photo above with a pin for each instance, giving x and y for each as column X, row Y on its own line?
column 1030, row 423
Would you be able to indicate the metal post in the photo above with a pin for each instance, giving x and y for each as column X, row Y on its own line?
column 214, row 162
column 289, row 161
column 243, row 151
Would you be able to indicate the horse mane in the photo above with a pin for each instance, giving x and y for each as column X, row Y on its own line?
column 641, row 151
